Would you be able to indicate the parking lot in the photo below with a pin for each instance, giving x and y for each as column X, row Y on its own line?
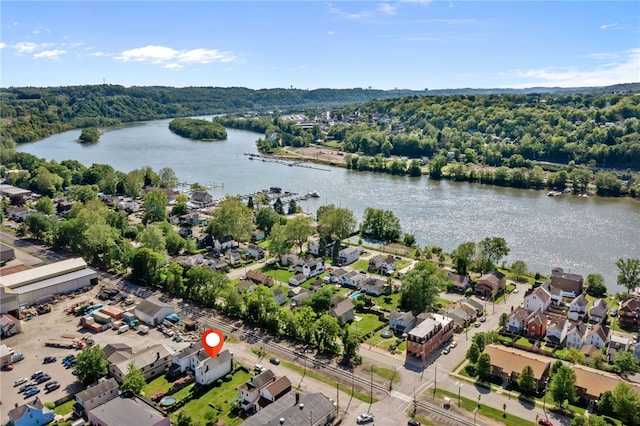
column 60, row 326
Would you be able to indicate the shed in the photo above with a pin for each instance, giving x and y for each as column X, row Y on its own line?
column 152, row 311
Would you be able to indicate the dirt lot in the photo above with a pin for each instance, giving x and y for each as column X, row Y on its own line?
column 53, row 326
column 320, row 154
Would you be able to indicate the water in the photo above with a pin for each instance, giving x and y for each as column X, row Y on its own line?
column 583, row 235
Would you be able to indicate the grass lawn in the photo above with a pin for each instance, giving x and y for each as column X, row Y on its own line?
column 360, row 265
column 217, row 401
column 524, row 342
column 392, row 305
column 386, row 373
column 378, row 340
column 368, row 323
column 490, row 412
column 278, row 274
column 439, row 301
column 65, row 408
column 159, row 384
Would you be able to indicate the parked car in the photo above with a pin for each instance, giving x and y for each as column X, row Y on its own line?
column 545, row 422
column 36, row 374
column 274, row 361
column 26, row 387
column 445, row 351
column 413, row 423
column 68, row 357
column 20, row 381
column 477, row 324
column 259, row 368
column 49, row 359
column 453, row 345
column 614, row 312
column 483, row 319
column 31, row 392
column 51, row 386
column 364, row 418
column 19, row 356
column 7, row 367
column 43, row 378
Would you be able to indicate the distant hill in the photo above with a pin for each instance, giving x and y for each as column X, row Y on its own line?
column 33, row 113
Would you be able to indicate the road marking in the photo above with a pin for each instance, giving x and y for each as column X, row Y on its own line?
column 401, row 396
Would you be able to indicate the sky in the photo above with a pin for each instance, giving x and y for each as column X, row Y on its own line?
column 414, row 44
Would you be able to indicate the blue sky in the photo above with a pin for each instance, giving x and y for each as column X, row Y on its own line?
column 317, row 44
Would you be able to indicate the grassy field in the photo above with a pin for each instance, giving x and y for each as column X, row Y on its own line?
column 66, row 408
column 278, row 274
column 159, row 384
column 367, row 324
column 218, row 402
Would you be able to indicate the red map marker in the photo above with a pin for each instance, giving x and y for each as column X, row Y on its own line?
column 212, row 341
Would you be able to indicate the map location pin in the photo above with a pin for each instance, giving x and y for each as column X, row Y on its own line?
column 212, row 341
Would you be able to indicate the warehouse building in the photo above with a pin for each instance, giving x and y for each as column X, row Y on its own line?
column 28, row 287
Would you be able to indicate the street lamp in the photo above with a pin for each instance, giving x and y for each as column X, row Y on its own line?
column 459, row 388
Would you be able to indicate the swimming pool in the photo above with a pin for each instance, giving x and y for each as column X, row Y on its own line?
column 354, row 295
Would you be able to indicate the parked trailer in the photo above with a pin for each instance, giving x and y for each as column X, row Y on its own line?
column 61, row 344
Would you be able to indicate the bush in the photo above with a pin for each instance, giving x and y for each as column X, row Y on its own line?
column 470, row 369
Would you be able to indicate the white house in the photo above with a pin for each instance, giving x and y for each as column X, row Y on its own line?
column 538, row 299
column 516, row 320
column 598, row 311
column 597, row 335
column 577, row 307
column 98, row 394
column 249, row 392
column 348, row 255
column 401, row 322
column 352, row 279
column 313, row 267
column 152, row 311
column 207, row 369
column 254, row 251
column 557, row 331
column 224, row 243
column 575, row 335
column 297, row 279
column 388, row 265
column 279, row 296
column 373, row 286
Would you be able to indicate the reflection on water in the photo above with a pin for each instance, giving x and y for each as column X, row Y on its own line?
column 584, row 235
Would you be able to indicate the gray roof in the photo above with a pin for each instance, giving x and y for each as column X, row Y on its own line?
column 99, row 389
column 19, row 411
column 151, row 306
column 315, row 404
column 127, row 411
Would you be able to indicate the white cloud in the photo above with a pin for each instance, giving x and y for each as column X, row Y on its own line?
column 606, row 26
column 417, row 1
column 174, row 59
column 2, row 45
column 51, row 54
column 331, row 32
column 626, row 70
column 25, row 47
column 41, row 30
column 97, row 54
column 387, row 9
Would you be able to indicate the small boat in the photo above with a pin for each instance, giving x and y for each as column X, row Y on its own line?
column 553, row 193
column 314, row 194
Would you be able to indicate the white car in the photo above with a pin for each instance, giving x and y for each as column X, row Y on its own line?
column 20, row 381
column 364, row 418
column 516, row 290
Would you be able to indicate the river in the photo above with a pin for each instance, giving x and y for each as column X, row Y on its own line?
column 581, row 235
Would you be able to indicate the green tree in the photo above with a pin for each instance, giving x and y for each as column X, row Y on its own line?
column 337, row 224
column 45, row 205
column 503, row 319
column 146, row 265
column 152, row 238
column 629, row 276
column 184, row 419
column 174, row 243
column 278, row 207
column 266, row 218
column 233, row 218
column 595, row 285
column 483, row 366
column 381, row 224
column 626, row 404
column 420, row 287
column 490, row 251
column 42, row 227
column 298, row 229
column 350, row 345
column 279, row 242
column 89, row 135
column 580, row 178
column 133, row 183
column 592, row 420
column 563, row 385
column 519, row 268
column 91, row 364
column 527, row 380
column 320, row 302
column 167, row 178
column 462, row 257
column 293, row 207
column 327, row 331
column 575, row 356
column 155, row 206
column 625, row 363
column 134, row 380
column 82, row 193
column 473, row 353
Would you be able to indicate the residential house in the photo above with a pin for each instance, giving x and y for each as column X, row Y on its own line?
column 208, row 369
column 597, row 335
column 152, row 311
column 295, row 409
column 257, row 235
column 18, row 213
column 388, row 265
column 14, row 194
column 314, row 246
column 254, row 252
column 373, row 286
column 30, row 414
column 577, row 307
column 336, row 274
column 537, row 299
column 246, row 287
column 96, row 395
column 479, row 309
column 153, row 361
column 508, row 364
column 536, row 325
column 401, row 322
column 300, row 297
column 233, row 258
column 461, row 315
column 249, row 392
column 127, row 411
column 260, row 278
column 636, row 350
column 490, row 285
column 374, row 263
column 430, row 333
column 297, row 279
column 316, row 285
column 342, row 309
column 616, row 344
column 348, row 255
column 279, row 296
column 204, row 241
column 196, row 259
column 592, row 383
column 557, row 330
column 224, row 243
column 575, row 335
column 352, row 279
column 569, row 285
column 629, row 312
column 460, row 282
column 276, row 389
column 598, row 312
column 516, row 320
column 202, row 199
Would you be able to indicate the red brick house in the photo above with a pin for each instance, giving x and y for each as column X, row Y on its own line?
column 629, row 313
column 430, row 333
column 536, row 325
column 490, row 285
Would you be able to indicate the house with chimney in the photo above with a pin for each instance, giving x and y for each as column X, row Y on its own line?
column 249, row 393
column 537, row 299
column 575, row 335
column 564, row 284
column 598, row 312
column 577, row 308
column 30, row 413
column 490, row 285
column 430, row 332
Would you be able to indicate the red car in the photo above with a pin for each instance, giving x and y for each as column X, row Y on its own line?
column 545, row 422
column 7, row 367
